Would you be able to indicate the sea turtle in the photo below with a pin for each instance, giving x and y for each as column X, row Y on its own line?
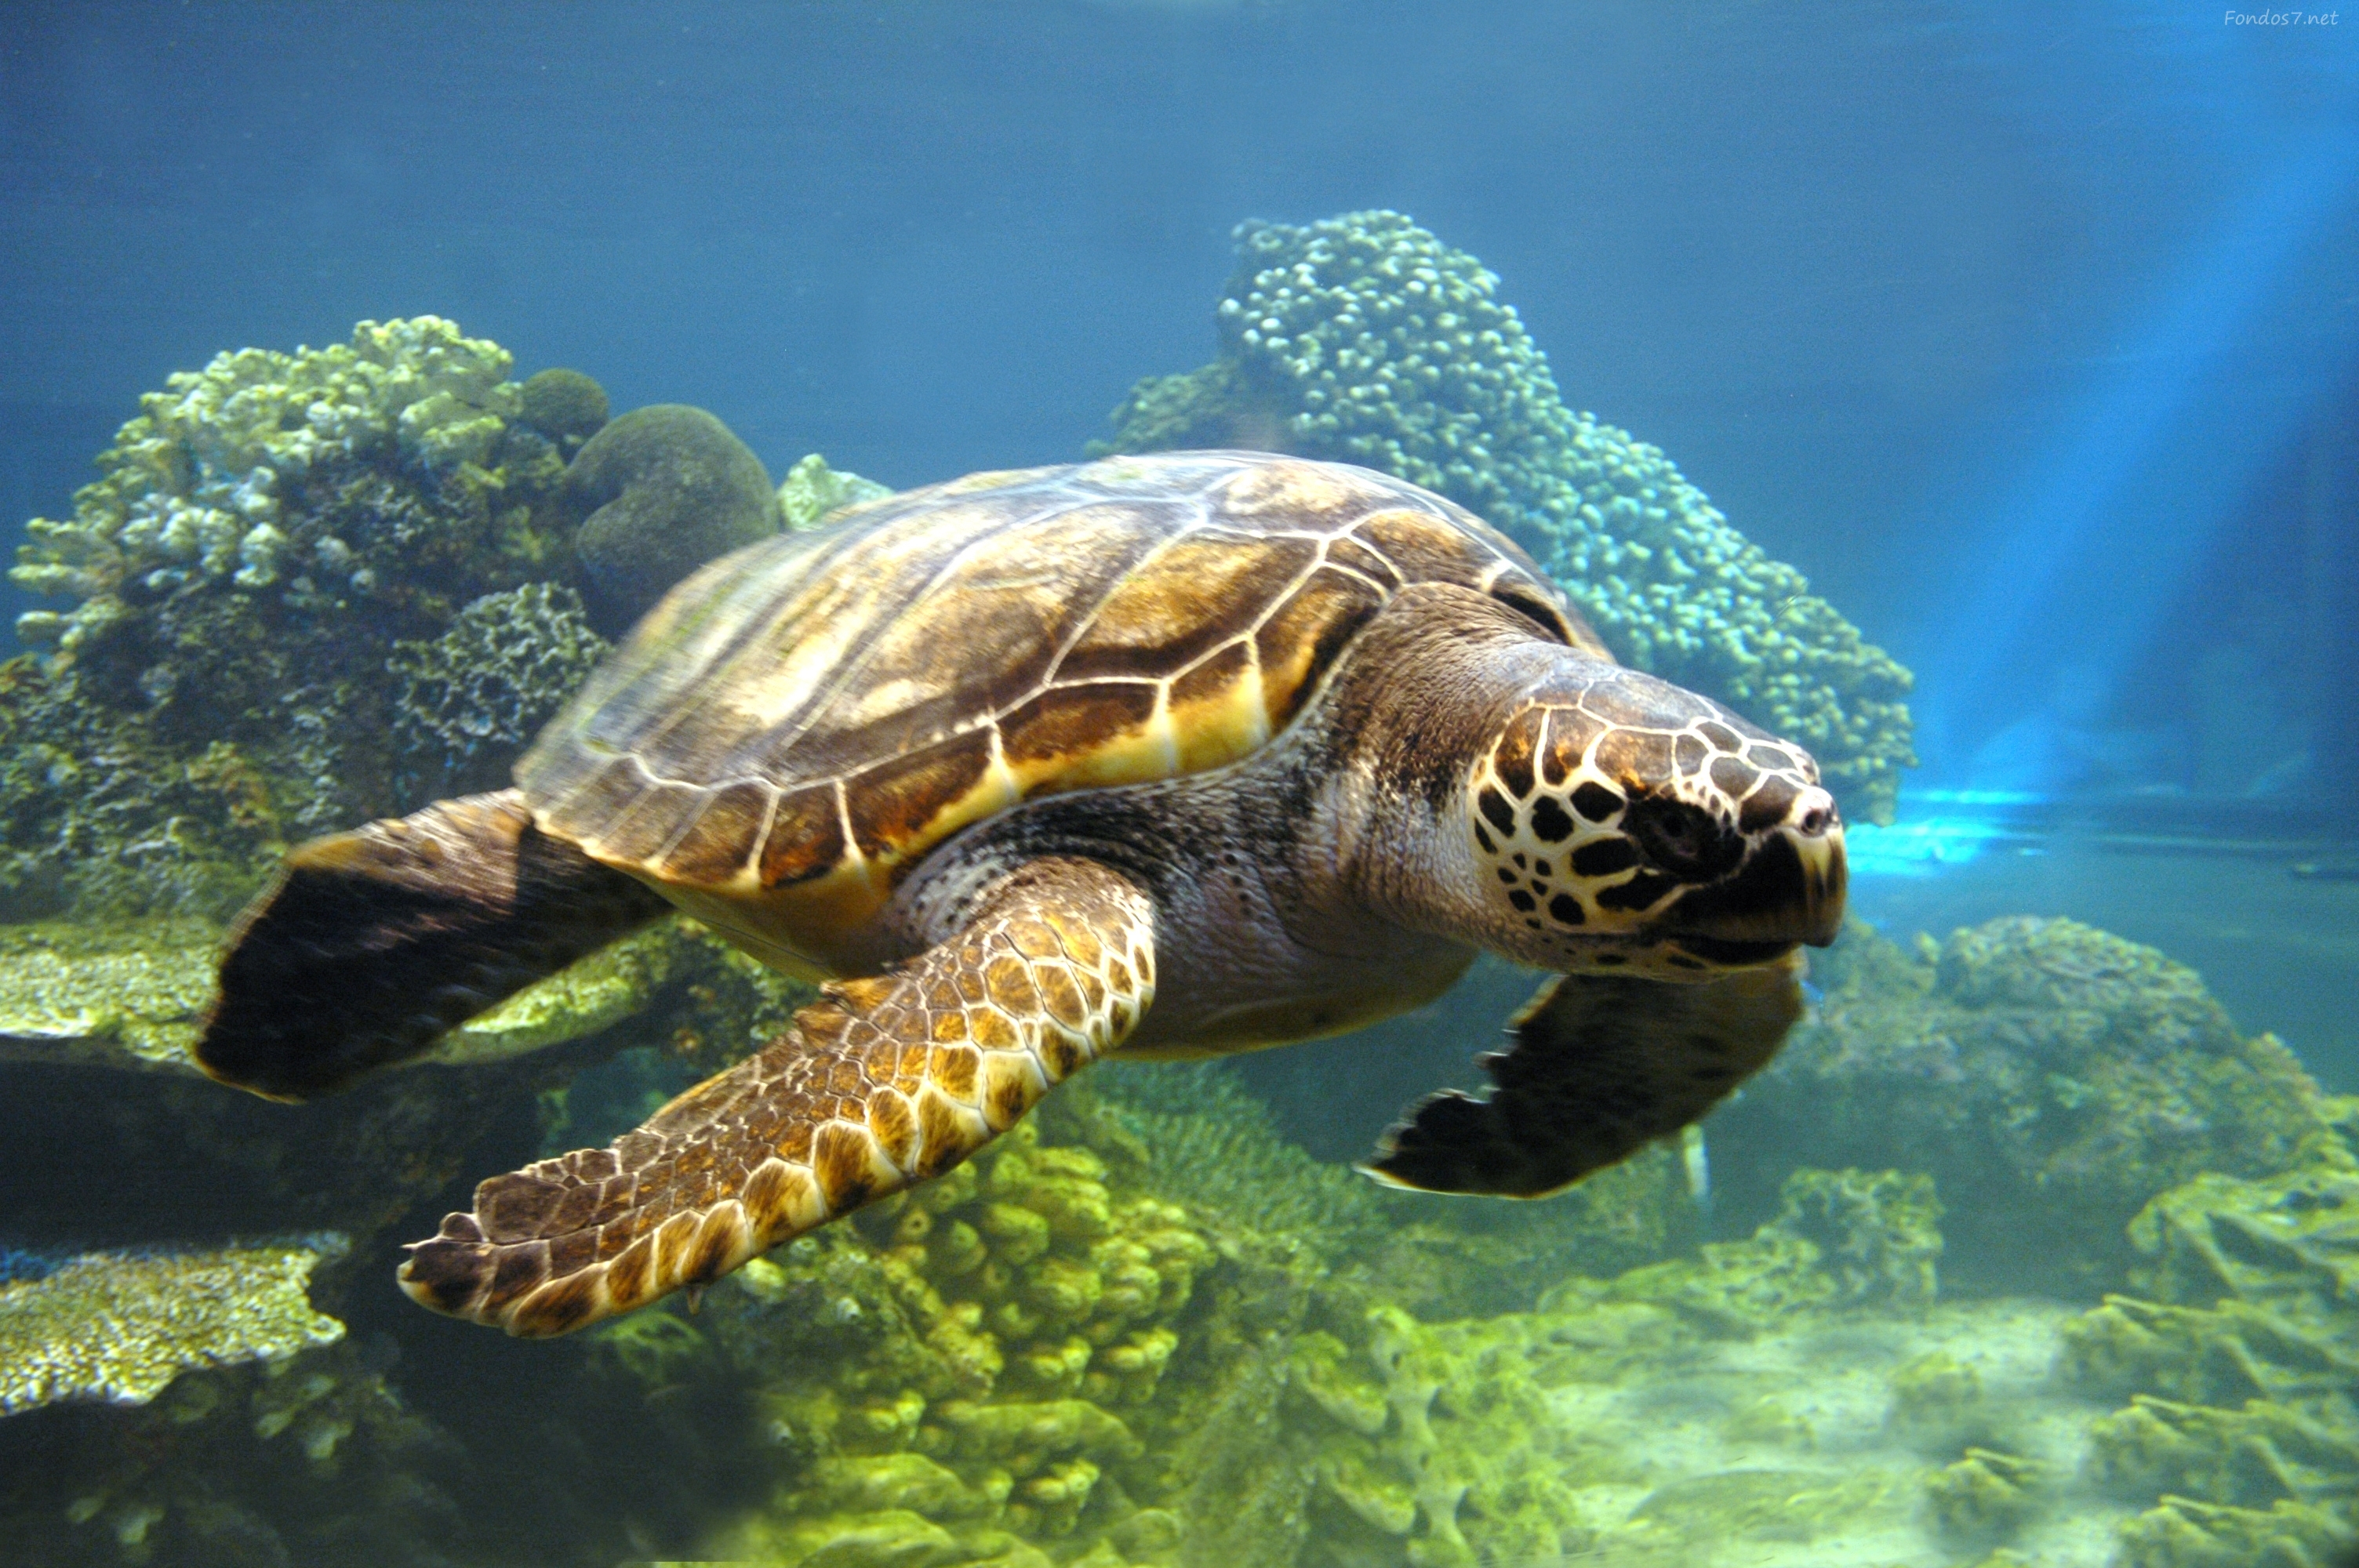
column 1177, row 755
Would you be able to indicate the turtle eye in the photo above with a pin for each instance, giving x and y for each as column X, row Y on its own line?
column 1532, row 607
column 1685, row 840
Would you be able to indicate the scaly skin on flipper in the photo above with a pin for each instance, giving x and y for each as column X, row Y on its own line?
column 885, row 1082
column 372, row 943
column 1602, row 1065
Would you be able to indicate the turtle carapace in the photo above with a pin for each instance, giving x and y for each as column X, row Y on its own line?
column 1173, row 755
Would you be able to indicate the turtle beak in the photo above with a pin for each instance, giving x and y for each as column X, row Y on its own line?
column 1790, row 888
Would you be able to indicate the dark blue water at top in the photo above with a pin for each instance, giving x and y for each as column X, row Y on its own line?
column 2007, row 325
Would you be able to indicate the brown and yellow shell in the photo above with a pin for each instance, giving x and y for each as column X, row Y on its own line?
column 798, row 722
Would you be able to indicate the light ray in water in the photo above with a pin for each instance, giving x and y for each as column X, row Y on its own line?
column 2146, row 459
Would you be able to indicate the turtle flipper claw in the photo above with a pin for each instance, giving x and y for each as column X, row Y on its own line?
column 881, row 1084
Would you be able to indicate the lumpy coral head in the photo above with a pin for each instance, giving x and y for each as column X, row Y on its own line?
column 661, row 492
column 565, row 406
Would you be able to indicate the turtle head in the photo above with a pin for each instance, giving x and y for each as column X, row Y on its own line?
column 1620, row 823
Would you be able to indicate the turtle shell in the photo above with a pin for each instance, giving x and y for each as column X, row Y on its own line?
column 799, row 721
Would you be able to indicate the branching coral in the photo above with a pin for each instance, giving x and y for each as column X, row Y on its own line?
column 2051, row 1077
column 258, row 539
column 1363, row 338
column 119, row 1326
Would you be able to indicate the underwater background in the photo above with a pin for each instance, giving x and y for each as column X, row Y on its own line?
column 1968, row 392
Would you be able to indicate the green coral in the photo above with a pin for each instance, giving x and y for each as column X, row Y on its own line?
column 474, row 698
column 659, row 491
column 2184, row 1533
column 2240, row 1358
column 812, row 491
column 1434, row 1444
column 1844, row 1239
column 565, row 406
column 259, row 537
column 1195, row 1137
column 977, row 1364
column 2051, row 1077
column 121, row 1327
column 1363, row 338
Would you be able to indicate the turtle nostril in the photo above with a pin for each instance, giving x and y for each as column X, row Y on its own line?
column 1818, row 813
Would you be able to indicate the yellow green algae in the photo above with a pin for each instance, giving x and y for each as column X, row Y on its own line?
column 1362, row 337
column 121, row 1327
column 812, row 492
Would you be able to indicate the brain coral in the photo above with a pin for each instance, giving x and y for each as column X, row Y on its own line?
column 1365, row 339
column 661, row 492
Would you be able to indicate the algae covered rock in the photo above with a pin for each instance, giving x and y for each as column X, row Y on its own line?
column 2050, row 1077
column 660, row 491
column 1362, row 337
column 120, row 1326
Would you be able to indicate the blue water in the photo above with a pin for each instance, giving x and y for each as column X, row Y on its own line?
column 2030, row 334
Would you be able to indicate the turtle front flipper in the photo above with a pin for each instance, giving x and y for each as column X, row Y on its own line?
column 1601, row 1067
column 372, row 944
column 881, row 1084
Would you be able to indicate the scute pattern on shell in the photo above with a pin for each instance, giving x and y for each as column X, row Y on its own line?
column 846, row 698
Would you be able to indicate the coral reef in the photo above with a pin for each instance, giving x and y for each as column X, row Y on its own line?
column 1844, row 1239
column 975, row 1365
column 1365, row 339
column 2050, row 1077
column 471, row 698
column 309, row 1459
column 2239, row 1354
column 812, row 491
column 659, row 491
column 132, row 994
column 1429, row 1423
column 259, row 537
column 120, row 1327
column 125, row 995
column 1192, row 1135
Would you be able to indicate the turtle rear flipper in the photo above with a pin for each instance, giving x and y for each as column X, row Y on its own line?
column 372, row 944
column 1602, row 1065
column 881, row 1084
